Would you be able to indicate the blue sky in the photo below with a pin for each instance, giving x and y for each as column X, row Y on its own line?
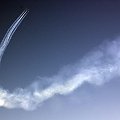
column 55, row 34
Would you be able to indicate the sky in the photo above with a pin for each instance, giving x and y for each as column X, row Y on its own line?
column 55, row 34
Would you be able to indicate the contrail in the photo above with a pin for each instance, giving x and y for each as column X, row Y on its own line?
column 10, row 33
column 97, row 67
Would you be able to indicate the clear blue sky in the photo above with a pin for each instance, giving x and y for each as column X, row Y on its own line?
column 53, row 35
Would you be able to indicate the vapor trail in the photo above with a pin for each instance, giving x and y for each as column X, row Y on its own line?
column 97, row 67
column 10, row 33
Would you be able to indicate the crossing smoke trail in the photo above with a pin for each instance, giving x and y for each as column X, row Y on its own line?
column 97, row 67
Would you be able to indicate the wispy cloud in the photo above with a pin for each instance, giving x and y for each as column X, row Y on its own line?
column 97, row 67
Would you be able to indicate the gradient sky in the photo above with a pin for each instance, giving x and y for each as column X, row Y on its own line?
column 53, row 35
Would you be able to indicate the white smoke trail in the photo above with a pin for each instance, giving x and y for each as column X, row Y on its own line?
column 10, row 33
column 97, row 67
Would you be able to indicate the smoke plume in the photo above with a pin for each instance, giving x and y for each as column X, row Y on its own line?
column 97, row 67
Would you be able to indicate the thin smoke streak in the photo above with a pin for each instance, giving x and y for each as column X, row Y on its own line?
column 97, row 67
column 10, row 33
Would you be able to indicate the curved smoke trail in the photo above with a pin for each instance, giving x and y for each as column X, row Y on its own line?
column 97, row 67
column 10, row 33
